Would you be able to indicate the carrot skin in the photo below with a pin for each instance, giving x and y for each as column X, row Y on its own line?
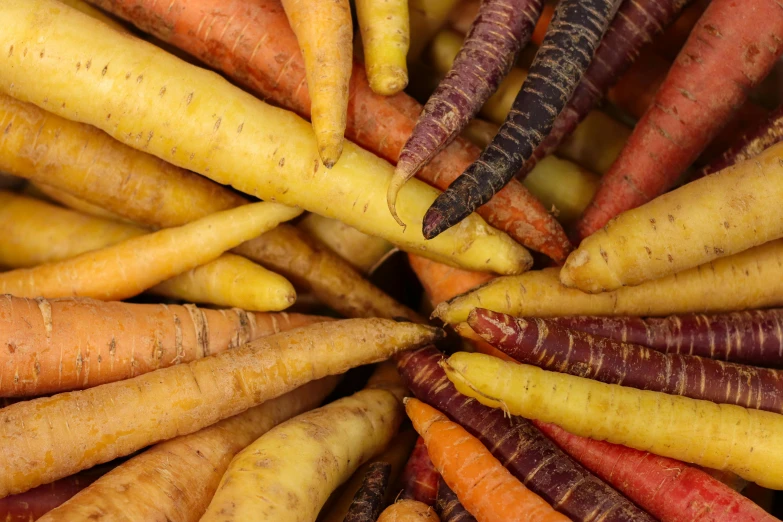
column 518, row 445
column 368, row 502
column 728, row 52
column 448, row 506
column 551, row 347
column 669, row 489
column 419, row 478
column 565, row 54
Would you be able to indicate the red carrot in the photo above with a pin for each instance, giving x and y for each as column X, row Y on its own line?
column 565, row 54
column 669, row 489
column 519, row 446
column 501, row 28
column 419, row 478
column 251, row 42
column 731, row 50
column 545, row 344
column 635, row 24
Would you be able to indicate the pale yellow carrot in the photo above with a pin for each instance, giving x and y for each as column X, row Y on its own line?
column 385, row 30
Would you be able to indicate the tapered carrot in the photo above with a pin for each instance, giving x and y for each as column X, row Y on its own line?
column 79, row 429
column 728, row 52
column 560, row 63
column 251, row 42
column 448, row 506
column 368, row 502
column 123, row 270
column 419, row 478
column 482, row 484
column 51, row 350
column 442, row 282
column 500, row 30
column 669, row 489
column 385, row 30
column 46, row 192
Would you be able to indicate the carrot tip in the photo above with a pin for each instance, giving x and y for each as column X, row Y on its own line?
column 395, row 185
column 434, row 223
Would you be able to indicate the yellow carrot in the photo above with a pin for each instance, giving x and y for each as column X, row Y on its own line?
column 49, row 193
column 720, row 436
column 385, row 30
column 49, row 438
column 426, row 18
column 716, row 216
column 563, row 187
column 750, row 279
column 128, row 268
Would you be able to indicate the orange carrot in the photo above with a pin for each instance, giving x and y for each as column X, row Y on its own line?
column 732, row 49
column 251, row 42
column 486, row 489
column 68, row 344
column 442, row 282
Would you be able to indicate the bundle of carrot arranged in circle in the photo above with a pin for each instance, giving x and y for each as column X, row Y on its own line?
column 224, row 296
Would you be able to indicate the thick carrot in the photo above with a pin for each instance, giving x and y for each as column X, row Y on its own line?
column 325, row 33
column 79, row 429
column 750, row 279
column 720, row 215
column 670, row 490
column 721, row 436
column 552, row 347
column 634, row 26
column 51, row 349
column 251, row 42
column 525, row 451
column 176, row 479
column 368, row 502
column 419, row 478
column 443, row 282
column 480, row 481
column 231, row 136
column 565, row 53
column 124, row 270
column 564, row 187
column 728, row 52
column 385, row 30
column 408, row 511
column 500, row 30
column 448, row 506
column 46, row 192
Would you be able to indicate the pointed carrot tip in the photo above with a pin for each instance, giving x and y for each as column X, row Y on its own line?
column 433, row 224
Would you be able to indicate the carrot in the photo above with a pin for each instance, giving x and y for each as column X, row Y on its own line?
column 448, row 506
column 408, row 511
column 720, row 436
column 105, row 422
column 633, row 27
column 500, row 30
column 750, row 279
column 566, row 52
column 427, row 17
column 727, row 53
column 713, row 217
column 123, row 270
column 552, row 347
column 176, row 479
column 272, row 154
column 419, row 478
column 462, row 16
column 562, row 186
column 526, row 452
column 670, row 41
column 368, row 502
column 48, row 193
column 49, row 349
column 479, row 132
column 482, row 484
column 547, row 13
column 385, row 30
column 669, row 489
column 251, row 42
column 443, row 282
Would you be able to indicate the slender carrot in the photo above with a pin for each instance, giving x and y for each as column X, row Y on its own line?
column 385, row 30
column 442, row 282
column 251, row 42
column 566, row 52
column 408, row 511
column 727, row 53
column 670, row 490
column 448, row 506
column 481, row 483
column 515, row 442
column 368, row 502
column 500, row 30
column 419, row 478
column 552, row 347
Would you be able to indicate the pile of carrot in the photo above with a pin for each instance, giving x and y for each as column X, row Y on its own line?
column 438, row 261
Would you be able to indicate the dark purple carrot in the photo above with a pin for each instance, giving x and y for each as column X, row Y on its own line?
column 419, row 478
column 549, row 346
column 634, row 26
column 562, row 59
column 368, row 502
column 448, row 506
column 519, row 446
column 749, row 145
column 501, row 28
column 751, row 337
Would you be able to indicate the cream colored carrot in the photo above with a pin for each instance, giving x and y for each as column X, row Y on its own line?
column 409, row 511
column 385, row 30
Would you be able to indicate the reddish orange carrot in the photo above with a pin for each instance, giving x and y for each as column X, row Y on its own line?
column 419, row 478
column 251, row 42
column 731, row 50
column 486, row 489
column 442, row 282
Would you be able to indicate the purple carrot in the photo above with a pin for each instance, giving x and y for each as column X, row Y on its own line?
column 367, row 504
column 519, row 446
column 501, row 28
column 564, row 55
column 545, row 344
column 448, row 506
column 634, row 26
column 751, row 337
column 749, row 145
